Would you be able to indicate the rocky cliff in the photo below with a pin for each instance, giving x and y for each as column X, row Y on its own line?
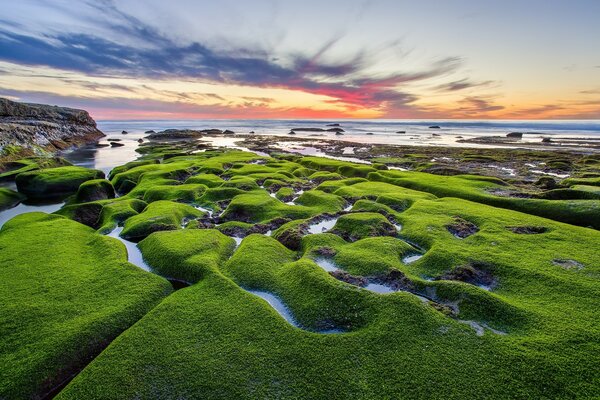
column 34, row 128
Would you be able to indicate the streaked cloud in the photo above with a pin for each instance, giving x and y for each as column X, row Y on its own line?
column 132, row 58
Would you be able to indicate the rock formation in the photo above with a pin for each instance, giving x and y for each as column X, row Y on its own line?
column 37, row 127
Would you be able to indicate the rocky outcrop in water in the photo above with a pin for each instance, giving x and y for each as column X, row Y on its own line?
column 37, row 127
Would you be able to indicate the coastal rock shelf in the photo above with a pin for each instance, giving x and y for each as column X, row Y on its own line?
column 298, row 276
column 33, row 128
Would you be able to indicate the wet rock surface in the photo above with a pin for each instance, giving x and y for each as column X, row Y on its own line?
column 474, row 273
column 528, row 230
column 462, row 228
column 31, row 126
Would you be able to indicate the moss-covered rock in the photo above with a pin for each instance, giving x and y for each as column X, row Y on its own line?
column 9, row 198
column 96, row 189
column 357, row 226
column 55, row 182
column 186, row 254
column 160, row 215
column 71, row 293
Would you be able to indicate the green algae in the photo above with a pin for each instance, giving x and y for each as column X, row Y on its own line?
column 524, row 281
column 66, row 293
column 162, row 215
column 54, row 182
column 9, row 198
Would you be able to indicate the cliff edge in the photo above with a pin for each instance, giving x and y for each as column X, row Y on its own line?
column 36, row 128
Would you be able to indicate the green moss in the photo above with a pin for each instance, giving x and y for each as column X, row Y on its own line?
column 372, row 256
column 187, row 193
column 186, row 254
column 14, row 168
column 241, row 182
column 71, row 292
column 96, row 189
column 322, row 176
column 9, row 198
column 581, row 181
column 258, row 206
column 209, row 180
column 532, row 278
column 160, row 215
column 482, row 189
column 357, row 226
column 285, row 194
column 55, row 182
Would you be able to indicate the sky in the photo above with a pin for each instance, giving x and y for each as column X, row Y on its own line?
column 260, row 59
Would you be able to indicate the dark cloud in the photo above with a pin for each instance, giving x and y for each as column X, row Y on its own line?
column 146, row 53
column 461, row 85
column 477, row 105
column 591, row 91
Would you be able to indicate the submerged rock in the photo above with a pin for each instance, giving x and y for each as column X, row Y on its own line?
column 514, row 135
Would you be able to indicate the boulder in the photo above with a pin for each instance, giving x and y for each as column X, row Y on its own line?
column 55, row 182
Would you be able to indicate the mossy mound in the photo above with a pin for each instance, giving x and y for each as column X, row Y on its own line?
column 96, row 189
column 187, row 193
column 14, row 168
column 9, row 198
column 55, row 182
column 376, row 282
column 186, row 254
column 67, row 293
column 356, row 226
column 160, row 215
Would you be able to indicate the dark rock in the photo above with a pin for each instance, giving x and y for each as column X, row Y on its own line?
column 150, row 131
column 339, row 133
column 396, row 280
column 116, row 144
column 434, row 127
column 124, row 132
column 140, row 140
column 527, row 230
column 51, row 128
column 291, row 133
column 474, row 273
column 546, row 140
column 100, row 145
column 547, row 182
column 176, row 134
column 228, row 132
column 326, row 251
column 568, row 264
column 461, row 228
column 308, row 129
column 369, row 133
column 332, row 125
column 335, row 130
column 212, row 131
column 435, row 134
column 251, row 132
column 113, row 140
column 514, row 135
column 351, row 279
column 440, row 170
column 401, row 132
